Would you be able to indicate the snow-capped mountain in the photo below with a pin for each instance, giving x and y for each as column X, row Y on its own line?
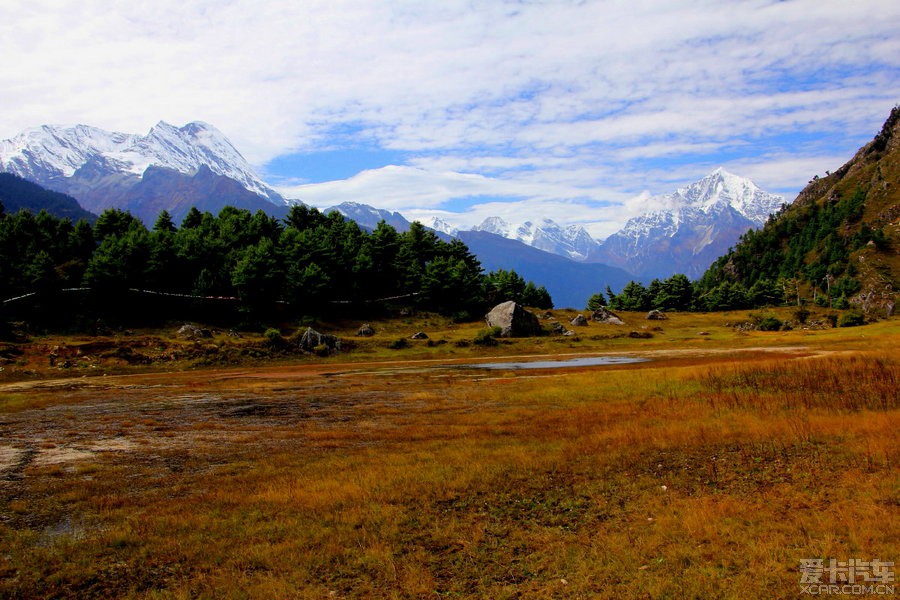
column 368, row 217
column 571, row 241
column 52, row 152
column 721, row 187
column 105, row 169
column 700, row 223
column 440, row 225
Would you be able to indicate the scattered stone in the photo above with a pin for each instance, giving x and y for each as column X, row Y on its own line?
column 547, row 315
column 313, row 341
column 569, row 333
column 234, row 333
column 192, row 332
column 558, row 329
column 602, row 315
column 513, row 320
column 657, row 315
column 365, row 331
column 579, row 321
column 640, row 335
column 419, row 335
column 702, row 333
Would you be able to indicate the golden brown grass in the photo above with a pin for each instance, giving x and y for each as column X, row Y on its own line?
column 708, row 472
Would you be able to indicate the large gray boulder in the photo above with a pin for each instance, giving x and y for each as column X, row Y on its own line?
column 313, row 341
column 602, row 315
column 513, row 320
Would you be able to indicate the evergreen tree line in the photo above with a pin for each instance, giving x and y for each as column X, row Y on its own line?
column 800, row 248
column 309, row 263
column 681, row 294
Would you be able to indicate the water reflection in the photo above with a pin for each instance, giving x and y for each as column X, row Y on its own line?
column 588, row 361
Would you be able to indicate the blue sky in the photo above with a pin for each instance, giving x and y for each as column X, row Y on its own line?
column 525, row 109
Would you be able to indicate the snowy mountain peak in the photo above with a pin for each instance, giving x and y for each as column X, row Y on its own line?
column 723, row 188
column 440, row 225
column 698, row 223
column 51, row 152
column 368, row 216
column 495, row 225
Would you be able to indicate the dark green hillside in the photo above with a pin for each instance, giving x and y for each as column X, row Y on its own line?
column 17, row 193
column 837, row 244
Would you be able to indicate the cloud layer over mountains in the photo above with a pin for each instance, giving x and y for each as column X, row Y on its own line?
column 533, row 107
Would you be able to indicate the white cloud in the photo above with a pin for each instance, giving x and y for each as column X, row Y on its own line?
column 397, row 188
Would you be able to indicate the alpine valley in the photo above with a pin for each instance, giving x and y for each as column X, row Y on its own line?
column 174, row 168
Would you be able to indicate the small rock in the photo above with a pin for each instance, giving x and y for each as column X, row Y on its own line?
column 602, row 315
column 312, row 340
column 365, row 331
column 419, row 335
column 579, row 321
column 656, row 315
column 192, row 332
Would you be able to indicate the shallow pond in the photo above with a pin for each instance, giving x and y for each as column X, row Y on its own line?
column 587, row 361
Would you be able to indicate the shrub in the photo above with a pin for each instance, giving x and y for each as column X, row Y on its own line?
column 840, row 302
column 398, row 344
column 801, row 314
column 851, row 319
column 487, row 337
column 273, row 338
column 769, row 324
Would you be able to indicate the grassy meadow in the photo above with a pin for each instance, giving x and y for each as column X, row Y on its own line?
column 709, row 471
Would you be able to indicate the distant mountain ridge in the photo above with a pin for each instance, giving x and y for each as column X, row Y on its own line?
column 17, row 194
column 572, row 241
column 569, row 282
column 368, row 217
column 695, row 225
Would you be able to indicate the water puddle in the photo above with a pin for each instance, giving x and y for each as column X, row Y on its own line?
column 587, row 361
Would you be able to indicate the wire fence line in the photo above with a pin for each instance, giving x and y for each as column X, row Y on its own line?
column 217, row 298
